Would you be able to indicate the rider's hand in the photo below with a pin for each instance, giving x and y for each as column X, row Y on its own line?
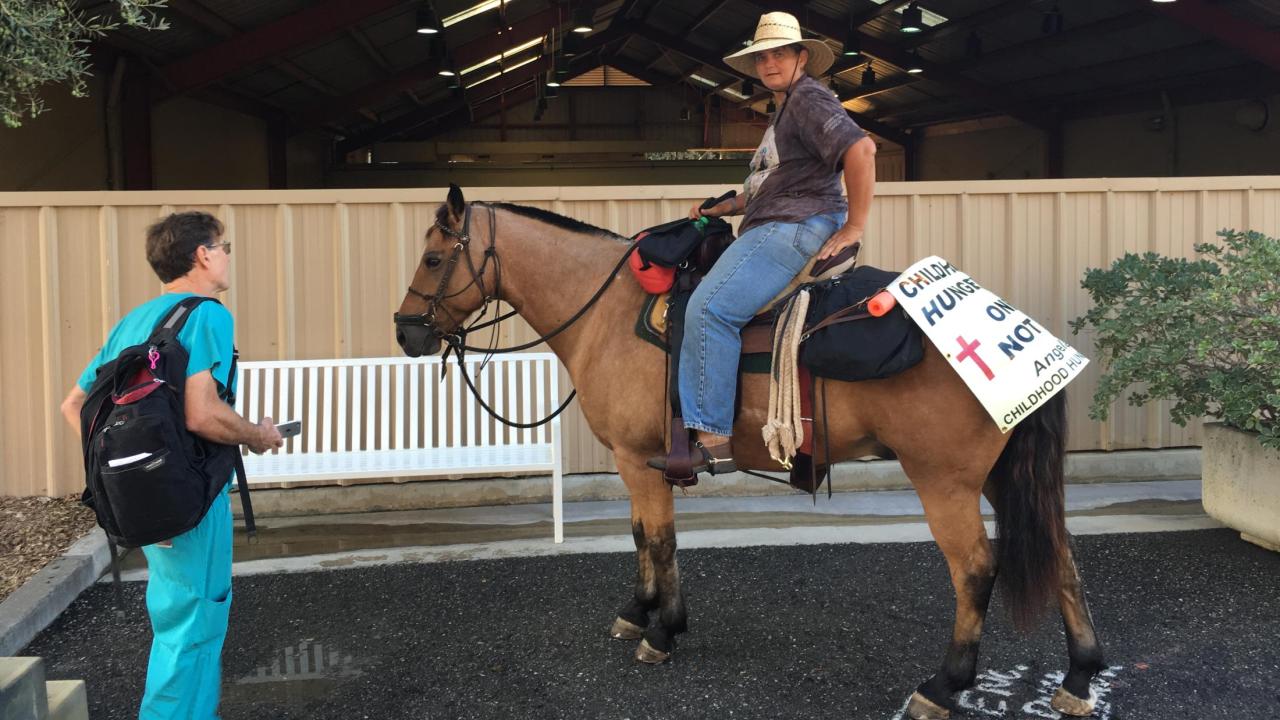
column 846, row 236
column 268, row 437
column 718, row 210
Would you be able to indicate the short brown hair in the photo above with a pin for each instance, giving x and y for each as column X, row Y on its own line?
column 172, row 242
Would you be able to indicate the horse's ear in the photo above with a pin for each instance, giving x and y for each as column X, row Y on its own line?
column 455, row 203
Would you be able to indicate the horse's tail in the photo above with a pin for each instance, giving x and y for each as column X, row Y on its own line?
column 1030, row 511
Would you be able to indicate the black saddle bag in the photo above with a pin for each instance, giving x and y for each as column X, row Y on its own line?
column 858, row 348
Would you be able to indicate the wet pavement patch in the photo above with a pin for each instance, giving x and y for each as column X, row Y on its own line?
column 1190, row 623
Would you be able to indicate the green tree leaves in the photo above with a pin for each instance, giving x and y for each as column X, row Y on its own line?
column 45, row 41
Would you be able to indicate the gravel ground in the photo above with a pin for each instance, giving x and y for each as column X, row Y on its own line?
column 35, row 530
column 1190, row 622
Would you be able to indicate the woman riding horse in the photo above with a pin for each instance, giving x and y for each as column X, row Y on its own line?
column 794, row 210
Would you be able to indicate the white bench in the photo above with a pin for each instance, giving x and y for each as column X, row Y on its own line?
column 395, row 417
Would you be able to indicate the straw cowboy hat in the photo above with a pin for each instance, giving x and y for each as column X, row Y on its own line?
column 776, row 29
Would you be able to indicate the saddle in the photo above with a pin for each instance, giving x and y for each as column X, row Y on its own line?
column 661, row 323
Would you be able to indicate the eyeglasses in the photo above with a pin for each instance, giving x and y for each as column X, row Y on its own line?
column 224, row 245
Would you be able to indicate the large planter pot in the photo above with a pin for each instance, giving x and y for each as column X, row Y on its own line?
column 1242, row 484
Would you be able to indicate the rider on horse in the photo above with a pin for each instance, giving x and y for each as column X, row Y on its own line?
column 794, row 210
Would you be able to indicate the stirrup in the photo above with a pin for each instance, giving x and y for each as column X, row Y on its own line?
column 706, row 463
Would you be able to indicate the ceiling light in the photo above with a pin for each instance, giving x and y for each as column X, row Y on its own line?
column 852, row 48
column 912, row 19
column 426, row 21
column 583, row 20
column 913, row 67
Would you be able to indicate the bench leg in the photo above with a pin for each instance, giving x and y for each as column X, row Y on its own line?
column 557, row 484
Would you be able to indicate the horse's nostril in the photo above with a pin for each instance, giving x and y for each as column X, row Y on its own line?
column 400, row 337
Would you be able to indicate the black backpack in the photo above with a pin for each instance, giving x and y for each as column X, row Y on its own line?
column 147, row 477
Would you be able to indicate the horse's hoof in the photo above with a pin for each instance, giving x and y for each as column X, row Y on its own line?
column 647, row 653
column 922, row 708
column 625, row 630
column 1068, row 704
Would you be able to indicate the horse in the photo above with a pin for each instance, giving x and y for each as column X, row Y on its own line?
column 562, row 277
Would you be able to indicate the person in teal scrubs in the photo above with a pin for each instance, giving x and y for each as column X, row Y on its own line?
column 189, row 590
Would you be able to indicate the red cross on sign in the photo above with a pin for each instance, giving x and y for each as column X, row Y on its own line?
column 968, row 353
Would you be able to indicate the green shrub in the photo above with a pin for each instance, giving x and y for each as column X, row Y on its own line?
column 1204, row 333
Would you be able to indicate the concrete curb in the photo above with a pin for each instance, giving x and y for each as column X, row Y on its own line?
column 32, row 607
column 1082, row 467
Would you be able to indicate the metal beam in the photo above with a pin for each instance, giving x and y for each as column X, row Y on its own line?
column 1250, row 38
column 510, row 99
column 195, row 11
column 698, row 55
column 878, row 11
column 464, row 55
column 954, row 25
column 703, row 16
column 291, row 32
column 996, row 98
column 429, row 113
column 462, row 111
column 1115, row 23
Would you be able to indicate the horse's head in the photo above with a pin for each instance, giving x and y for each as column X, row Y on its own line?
column 450, row 281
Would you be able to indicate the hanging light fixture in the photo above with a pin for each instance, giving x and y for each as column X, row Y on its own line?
column 913, row 67
column 583, row 20
column 553, row 81
column 868, row 76
column 553, row 87
column 427, row 24
column 570, row 45
column 912, row 19
column 852, row 47
column 1051, row 21
column 771, row 107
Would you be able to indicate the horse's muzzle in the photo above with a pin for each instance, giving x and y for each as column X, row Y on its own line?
column 417, row 341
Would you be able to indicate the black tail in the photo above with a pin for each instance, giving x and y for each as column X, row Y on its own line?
column 1030, row 512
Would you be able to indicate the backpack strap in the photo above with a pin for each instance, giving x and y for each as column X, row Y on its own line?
column 176, row 319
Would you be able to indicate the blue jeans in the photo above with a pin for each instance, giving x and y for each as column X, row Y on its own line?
column 189, row 599
column 755, row 268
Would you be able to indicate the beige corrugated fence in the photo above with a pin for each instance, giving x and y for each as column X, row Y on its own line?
column 317, row 273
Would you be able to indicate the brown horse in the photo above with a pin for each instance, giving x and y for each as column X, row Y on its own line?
column 547, row 267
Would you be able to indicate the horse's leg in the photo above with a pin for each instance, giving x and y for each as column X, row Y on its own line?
column 1075, row 697
column 658, row 578
column 955, row 520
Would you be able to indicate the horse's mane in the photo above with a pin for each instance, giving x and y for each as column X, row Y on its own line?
column 556, row 220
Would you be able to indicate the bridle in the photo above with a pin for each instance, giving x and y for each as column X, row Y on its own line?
column 435, row 302
column 457, row 339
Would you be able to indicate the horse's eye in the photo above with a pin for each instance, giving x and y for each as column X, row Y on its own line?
column 433, row 260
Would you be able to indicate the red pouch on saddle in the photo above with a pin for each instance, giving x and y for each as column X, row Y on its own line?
column 655, row 279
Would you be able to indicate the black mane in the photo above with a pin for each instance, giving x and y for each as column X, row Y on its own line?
column 556, row 220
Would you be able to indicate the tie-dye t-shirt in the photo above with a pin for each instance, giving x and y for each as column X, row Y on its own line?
column 796, row 171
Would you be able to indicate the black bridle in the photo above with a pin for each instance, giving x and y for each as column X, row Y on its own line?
column 457, row 339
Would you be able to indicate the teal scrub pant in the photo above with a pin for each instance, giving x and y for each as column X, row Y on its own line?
column 189, row 599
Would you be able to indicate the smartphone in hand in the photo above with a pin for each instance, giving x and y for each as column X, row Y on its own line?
column 290, row 429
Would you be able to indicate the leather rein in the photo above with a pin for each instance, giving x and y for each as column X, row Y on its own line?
column 456, row 340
